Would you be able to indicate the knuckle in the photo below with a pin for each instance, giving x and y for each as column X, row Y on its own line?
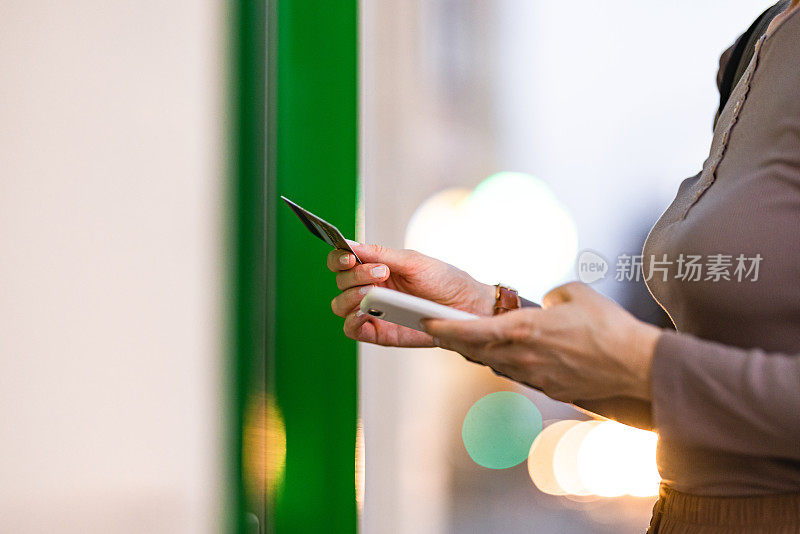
column 554, row 295
column 574, row 287
column 550, row 297
column 377, row 250
column 347, row 279
column 578, row 288
column 412, row 255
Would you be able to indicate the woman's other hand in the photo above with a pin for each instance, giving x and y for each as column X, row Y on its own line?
column 579, row 345
column 402, row 270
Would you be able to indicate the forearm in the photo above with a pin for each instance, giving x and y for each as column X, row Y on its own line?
column 710, row 395
column 634, row 409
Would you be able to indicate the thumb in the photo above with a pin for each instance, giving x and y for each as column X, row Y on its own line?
column 393, row 258
column 564, row 293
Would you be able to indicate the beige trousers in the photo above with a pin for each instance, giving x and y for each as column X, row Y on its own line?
column 679, row 513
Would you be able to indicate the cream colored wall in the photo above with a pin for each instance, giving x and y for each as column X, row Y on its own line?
column 111, row 168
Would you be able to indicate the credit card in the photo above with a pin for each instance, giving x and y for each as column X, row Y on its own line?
column 322, row 228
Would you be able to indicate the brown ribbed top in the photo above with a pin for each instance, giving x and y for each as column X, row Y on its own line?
column 726, row 385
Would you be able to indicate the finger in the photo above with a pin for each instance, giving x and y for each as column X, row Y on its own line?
column 557, row 295
column 368, row 273
column 457, row 345
column 340, row 260
column 354, row 326
column 394, row 258
column 569, row 292
column 451, row 333
column 346, row 301
column 488, row 354
column 563, row 293
column 516, row 326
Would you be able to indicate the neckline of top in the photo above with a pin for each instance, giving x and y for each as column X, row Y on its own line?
column 781, row 18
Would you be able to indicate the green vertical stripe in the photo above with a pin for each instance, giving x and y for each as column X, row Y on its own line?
column 245, row 503
column 313, row 147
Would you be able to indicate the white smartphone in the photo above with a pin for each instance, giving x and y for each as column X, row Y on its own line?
column 407, row 310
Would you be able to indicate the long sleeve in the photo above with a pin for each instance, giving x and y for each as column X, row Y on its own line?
column 725, row 398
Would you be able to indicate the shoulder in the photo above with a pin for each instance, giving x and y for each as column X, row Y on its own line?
column 735, row 58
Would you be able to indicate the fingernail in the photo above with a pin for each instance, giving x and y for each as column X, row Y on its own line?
column 352, row 243
column 359, row 313
column 437, row 342
column 344, row 259
column 379, row 271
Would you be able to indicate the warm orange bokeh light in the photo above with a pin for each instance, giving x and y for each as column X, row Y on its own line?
column 540, row 459
column 584, row 459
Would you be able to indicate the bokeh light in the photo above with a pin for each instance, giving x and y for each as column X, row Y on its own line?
column 616, row 460
column 528, row 238
column 264, row 445
column 590, row 459
column 499, row 429
column 276, row 446
column 540, row 459
column 510, row 228
column 436, row 228
column 565, row 464
column 360, row 459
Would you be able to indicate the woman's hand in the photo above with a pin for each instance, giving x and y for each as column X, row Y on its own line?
column 580, row 345
column 403, row 270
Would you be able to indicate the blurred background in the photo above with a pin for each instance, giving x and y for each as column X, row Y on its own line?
column 137, row 378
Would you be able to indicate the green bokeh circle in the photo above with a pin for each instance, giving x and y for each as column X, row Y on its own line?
column 499, row 429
